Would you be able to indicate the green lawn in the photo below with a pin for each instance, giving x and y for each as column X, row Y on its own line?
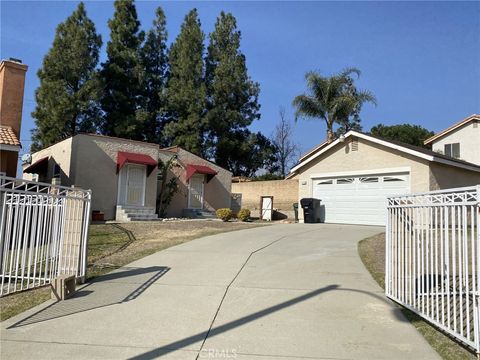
column 372, row 253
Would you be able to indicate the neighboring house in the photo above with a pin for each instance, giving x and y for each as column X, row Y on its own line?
column 353, row 176
column 203, row 185
column 122, row 174
column 461, row 140
column 12, row 82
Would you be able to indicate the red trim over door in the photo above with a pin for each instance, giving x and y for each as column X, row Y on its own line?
column 134, row 158
column 200, row 169
column 38, row 167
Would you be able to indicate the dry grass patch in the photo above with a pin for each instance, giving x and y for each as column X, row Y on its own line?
column 372, row 253
column 111, row 246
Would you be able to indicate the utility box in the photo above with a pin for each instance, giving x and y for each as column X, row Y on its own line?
column 63, row 287
column 311, row 210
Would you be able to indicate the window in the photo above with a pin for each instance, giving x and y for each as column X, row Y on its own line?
column 369, row 179
column 325, row 182
column 452, row 150
column 393, row 178
column 345, row 181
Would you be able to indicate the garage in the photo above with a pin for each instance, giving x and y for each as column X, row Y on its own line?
column 358, row 199
column 354, row 175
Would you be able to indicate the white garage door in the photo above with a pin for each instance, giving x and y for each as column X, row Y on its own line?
column 358, row 199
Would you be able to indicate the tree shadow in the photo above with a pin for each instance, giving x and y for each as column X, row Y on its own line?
column 202, row 337
column 101, row 292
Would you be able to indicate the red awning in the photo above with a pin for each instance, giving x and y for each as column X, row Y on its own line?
column 133, row 158
column 38, row 167
column 200, row 169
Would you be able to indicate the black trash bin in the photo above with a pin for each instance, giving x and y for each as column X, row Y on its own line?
column 311, row 210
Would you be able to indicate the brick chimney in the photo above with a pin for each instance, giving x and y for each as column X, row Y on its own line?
column 12, row 82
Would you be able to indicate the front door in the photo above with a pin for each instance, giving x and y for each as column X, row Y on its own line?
column 136, row 177
column 195, row 192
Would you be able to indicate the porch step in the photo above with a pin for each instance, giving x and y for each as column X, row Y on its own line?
column 198, row 214
column 135, row 213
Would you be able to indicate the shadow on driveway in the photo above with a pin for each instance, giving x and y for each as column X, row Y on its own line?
column 103, row 291
column 158, row 352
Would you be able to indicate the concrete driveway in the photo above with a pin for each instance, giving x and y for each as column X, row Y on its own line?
column 277, row 292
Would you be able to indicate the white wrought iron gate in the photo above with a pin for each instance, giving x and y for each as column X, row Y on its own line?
column 433, row 259
column 43, row 233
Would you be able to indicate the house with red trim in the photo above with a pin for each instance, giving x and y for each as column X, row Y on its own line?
column 125, row 179
column 203, row 186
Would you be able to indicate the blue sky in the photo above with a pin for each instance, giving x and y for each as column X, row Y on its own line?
column 421, row 59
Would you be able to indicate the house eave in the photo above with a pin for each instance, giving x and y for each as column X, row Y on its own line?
column 7, row 147
column 390, row 145
column 451, row 128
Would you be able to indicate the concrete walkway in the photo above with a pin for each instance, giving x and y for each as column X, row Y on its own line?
column 277, row 292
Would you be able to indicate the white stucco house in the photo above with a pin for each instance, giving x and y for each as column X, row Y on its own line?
column 461, row 140
column 124, row 176
column 354, row 175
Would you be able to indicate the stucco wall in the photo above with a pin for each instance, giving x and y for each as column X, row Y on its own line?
column 445, row 177
column 284, row 192
column 216, row 192
column 59, row 154
column 370, row 156
column 94, row 166
column 468, row 136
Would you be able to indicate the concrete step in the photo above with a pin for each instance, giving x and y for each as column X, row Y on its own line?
column 136, row 213
column 145, row 212
column 198, row 214
column 142, row 217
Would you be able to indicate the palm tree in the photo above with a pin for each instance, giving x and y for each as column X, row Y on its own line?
column 333, row 99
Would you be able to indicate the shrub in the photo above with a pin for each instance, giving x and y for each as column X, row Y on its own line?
column 244, row 214
column 225, row 214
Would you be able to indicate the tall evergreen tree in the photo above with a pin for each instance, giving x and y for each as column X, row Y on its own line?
column 68, row 92
column 154, row 61
column 186, row 93
column 232, row 95
column 121, row 73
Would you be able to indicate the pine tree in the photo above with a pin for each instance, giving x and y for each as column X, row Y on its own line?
column 69, row 90
column 186, row 93
column 121, row 73
column 232, row 95
column 153, row 82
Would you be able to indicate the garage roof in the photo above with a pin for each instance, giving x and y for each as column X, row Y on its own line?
column 419, row 152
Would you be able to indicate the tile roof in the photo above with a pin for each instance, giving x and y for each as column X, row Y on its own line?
column 8, row 137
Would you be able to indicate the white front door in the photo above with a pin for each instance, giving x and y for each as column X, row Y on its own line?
column 136, row 178
column 359, row 199
column 195, row 192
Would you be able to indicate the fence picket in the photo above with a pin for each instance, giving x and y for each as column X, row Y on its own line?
column 433, row 259
column 43, row 233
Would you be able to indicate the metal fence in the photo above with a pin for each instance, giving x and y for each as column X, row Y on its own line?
column 433, row 259
column 43, row 233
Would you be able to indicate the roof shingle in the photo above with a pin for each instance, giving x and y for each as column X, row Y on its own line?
column 8, row 137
